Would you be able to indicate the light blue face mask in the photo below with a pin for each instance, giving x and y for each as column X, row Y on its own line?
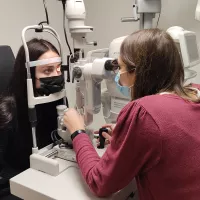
column 125, row 90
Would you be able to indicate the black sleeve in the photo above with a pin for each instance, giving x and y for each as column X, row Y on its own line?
column 6, row 171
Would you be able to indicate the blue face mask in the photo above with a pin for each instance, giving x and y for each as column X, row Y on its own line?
column 125, row 90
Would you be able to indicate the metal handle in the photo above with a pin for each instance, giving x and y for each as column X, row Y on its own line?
column 129, row 19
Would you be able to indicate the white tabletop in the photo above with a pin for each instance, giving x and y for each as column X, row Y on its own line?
column 32, row 184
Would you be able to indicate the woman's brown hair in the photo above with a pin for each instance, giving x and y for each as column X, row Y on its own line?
column 157, row 63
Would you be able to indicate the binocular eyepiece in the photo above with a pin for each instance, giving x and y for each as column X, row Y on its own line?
column 111, row 65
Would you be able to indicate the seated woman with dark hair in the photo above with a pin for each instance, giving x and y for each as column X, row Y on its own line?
column 18, row 145
column 39, row 49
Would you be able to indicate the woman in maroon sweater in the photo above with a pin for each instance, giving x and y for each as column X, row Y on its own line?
column 157, row 135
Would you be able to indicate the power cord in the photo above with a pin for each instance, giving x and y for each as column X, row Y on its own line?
column 46, row 13
column 158, row 21
column 55, row 139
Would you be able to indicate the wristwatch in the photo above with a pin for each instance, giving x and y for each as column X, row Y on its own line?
column 73, row 135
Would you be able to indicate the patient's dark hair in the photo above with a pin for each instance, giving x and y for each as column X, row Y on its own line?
column 6, row 111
